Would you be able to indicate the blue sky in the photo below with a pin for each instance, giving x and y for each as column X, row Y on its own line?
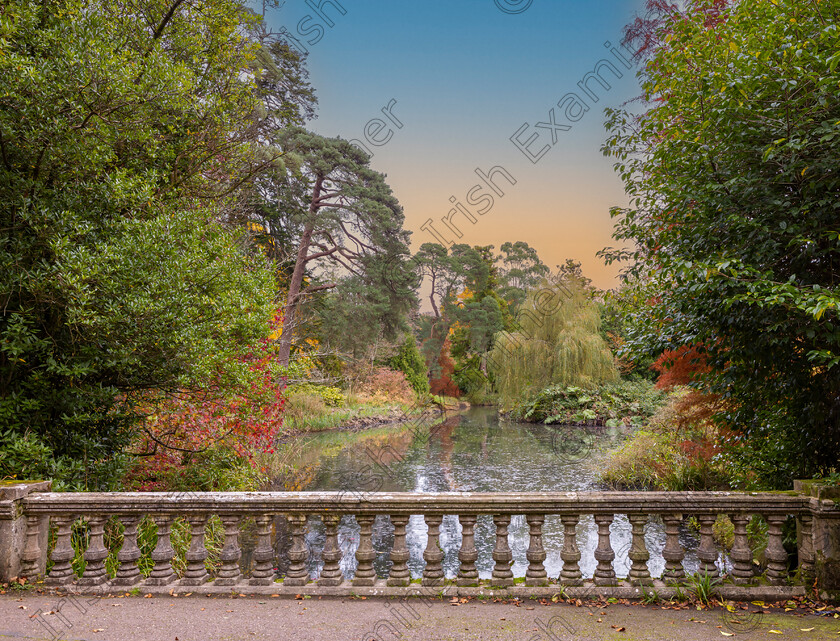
column 466, row 75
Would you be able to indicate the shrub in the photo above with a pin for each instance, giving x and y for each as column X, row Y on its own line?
column 332, row 396
column 387, row 384
column 677, row 451
column 624, row 402
column 410, row 362
column 28, row 456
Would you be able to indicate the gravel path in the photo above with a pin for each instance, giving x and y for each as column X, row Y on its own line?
column 135, row 618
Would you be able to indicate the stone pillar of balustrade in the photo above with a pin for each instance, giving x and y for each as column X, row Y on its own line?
column 570, row 575
column 399, row 574
column 818, row 534
column 502, row 555
column 536, row 574
column 23, row 540
column 467, row 555
column 433, row 554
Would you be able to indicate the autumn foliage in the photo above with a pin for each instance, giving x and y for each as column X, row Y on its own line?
column 680, row 366
column 243, row 419
column 442, row 384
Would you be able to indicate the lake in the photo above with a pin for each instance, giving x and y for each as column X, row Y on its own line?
column 470, row 451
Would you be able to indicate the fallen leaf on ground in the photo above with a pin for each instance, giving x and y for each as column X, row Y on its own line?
column 775, row 631
column 806, row 629
column 727, row 634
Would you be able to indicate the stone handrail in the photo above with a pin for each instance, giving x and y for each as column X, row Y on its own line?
column 413, row 503
column 27, row 512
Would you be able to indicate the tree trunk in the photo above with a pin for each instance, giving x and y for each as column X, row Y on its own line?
column 285, row 343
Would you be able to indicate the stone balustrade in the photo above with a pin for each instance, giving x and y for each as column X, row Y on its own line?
column 31, row 512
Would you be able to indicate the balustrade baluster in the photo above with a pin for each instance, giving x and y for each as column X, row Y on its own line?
column 775, row 553
column 707, row 552
column 297, row 574
column 502, row 576
column 229, row 571
column 128, row 573
column 162, row 573
column 639, row 555
column 806, row 548
column 399, row 575
column 604, row 572
column 741, row 555
column 433, row 555
column 570, row 575
column 263, row 572
column 673, row 552
column 535, row 574
column 365, row 554
column 196, row 571
column 95, row 554
column 331, row 573
column 31, row 558
column 62, row 571
column 467, row 555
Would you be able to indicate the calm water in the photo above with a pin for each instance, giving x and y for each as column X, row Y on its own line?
column 469, row 452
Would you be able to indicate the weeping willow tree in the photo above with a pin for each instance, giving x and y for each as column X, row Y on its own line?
column 557, row 343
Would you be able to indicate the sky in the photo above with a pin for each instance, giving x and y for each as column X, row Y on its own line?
column 459, row 79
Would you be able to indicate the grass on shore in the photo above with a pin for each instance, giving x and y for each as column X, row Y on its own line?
column 307, row 411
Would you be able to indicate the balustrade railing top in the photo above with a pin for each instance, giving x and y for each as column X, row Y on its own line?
column 82, row 503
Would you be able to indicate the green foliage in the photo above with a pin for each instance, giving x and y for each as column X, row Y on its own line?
column 650, row 597
column 556, row 343
column 331, row 396
column 27, row 456
column 120, row 146
column 617, row 308
column 732, row 175
column 521, row 269
column 180, row 536
column 622, row 403
column 303, row 410
column 410, row 362
column 703, row 587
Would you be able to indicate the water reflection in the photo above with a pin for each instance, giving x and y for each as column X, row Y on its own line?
column 471, row 452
